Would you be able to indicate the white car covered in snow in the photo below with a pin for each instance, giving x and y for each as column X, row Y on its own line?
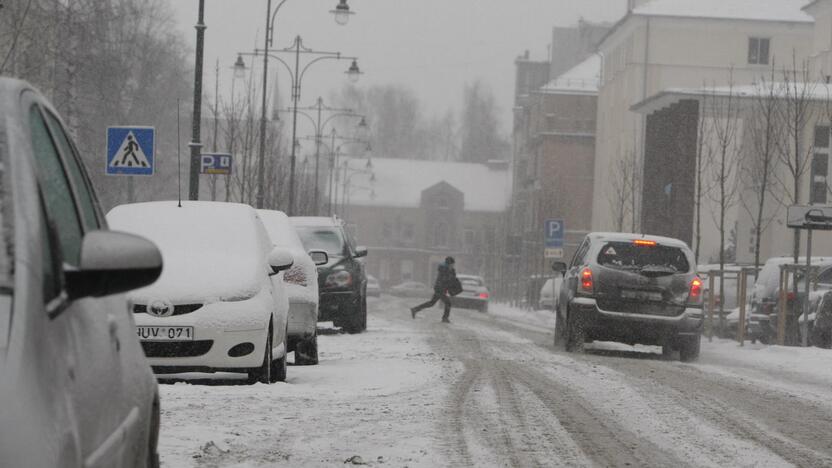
column 75, row 389
column 221, row 303
column 301, row 286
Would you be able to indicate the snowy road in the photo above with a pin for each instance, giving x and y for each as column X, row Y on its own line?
column 490, row 390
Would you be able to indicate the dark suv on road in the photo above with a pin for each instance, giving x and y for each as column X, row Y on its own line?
column 342, row 281
column 631, row 288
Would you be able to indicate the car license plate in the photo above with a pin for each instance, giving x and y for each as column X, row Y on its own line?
column 641, row 295
column 165, row 333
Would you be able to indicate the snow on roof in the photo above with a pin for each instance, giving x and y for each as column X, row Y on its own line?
column 582, row 78
column 210, row 250
column 754, row 10
column 400, row 182
column 813, row 91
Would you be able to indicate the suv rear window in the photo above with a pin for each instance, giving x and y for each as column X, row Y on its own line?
column 629, row 256
column 328, row 239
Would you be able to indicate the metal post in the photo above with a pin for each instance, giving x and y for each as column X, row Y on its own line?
column 295, row 97
column 804, row 327
column 332, row 168
column 318, row 137
column 261, row 156
column 711, row 304
column 216, row 125
column 743, row 284
column 781, row 312
column 131, row 191
column 195, row 144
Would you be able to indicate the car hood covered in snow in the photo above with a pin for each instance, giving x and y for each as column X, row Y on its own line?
column 211, row 251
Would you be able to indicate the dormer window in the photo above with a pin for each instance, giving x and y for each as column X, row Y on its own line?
column 758, row 50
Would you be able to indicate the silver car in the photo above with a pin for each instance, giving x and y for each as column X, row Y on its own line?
column 76, row 389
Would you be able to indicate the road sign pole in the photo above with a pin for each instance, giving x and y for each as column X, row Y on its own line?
column 196, row 145
column 804, row 327
column 131, row 190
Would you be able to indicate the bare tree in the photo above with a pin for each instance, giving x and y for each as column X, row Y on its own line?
column 796, row 112
column 702, row 184
column 764, row 130
column 724, row 158
column 622, row 194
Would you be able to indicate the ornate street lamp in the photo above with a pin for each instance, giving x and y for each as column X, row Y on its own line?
column 342, row 12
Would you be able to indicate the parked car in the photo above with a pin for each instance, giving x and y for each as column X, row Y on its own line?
column 373, row 286
column 474, row 295
column 221, row 302
column 631, row 288
column 412, row 289
column 549, row 291
column 766, row 290
column 76, row 389
column 301, row 286
column 342, row 281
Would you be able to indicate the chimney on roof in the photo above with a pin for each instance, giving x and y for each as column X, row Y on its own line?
column 497, row 164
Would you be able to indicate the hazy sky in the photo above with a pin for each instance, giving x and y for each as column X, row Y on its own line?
column 431, row 46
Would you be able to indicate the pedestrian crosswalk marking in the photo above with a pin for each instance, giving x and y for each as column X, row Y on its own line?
column 129, row 154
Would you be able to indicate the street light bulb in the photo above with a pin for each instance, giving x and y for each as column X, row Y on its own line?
column 239, row 67
column 342, row 13
column 353, row 73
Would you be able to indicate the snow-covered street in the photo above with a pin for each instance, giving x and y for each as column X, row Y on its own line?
column 490, row 390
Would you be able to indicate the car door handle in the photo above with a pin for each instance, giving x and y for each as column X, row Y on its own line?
column 112, row 324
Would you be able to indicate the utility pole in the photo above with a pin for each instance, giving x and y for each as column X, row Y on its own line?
column 195, row 144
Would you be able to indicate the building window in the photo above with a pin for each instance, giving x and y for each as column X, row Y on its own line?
column 407, row 232
column 758, row 50
column 821, row 137
column 440, row 235
column 470, row 240
column 820, row 170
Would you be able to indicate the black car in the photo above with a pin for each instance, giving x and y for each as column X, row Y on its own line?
column 633, row 289
column 342, row 281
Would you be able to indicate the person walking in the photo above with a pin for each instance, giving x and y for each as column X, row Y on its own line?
column 445, row 280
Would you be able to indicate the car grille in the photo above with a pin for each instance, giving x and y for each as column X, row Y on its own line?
column 629, row 307
column 154, row 349
column 180, row 309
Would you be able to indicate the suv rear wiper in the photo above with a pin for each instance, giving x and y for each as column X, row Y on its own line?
column 657, row 270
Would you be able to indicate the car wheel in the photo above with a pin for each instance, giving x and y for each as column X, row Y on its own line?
column 278, row 367
column 356, row 320
column 689, row 348
column 153, row 436
column 560, row 331
column 575, row 333
column 263, row 374
column 306, row 351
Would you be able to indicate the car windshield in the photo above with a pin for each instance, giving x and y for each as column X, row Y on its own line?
column 631, row 256
column 328, row 239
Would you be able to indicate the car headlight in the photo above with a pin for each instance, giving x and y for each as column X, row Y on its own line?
column 338, row 279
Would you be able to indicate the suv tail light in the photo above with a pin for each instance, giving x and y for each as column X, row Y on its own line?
column 695, row 293
column 587, row 285
column 483, row 295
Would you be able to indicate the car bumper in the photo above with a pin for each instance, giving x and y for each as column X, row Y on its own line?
column 641, row 328
column 463, row 302
column 335, row 305
column 303, row 318
column 216, row 329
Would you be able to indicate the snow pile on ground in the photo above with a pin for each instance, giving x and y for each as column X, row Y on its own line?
column 322, row 416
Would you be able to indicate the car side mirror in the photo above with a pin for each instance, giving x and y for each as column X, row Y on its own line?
column 559, row 267
column 113, row 262
column 319, row 257
column 280, row 259
column 361, row 251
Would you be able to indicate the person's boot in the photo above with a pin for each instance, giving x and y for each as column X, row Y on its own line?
column 446, row 320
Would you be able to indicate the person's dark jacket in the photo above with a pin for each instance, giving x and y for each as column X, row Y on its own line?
column 445, row 278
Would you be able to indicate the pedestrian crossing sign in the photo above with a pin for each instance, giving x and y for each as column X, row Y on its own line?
column 130, row 150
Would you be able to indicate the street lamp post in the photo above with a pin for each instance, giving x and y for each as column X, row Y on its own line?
column 195, row 144
column 320, row 124
column 342, row 13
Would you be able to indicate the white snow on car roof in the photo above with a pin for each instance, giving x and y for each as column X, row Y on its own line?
column 400, row 182
column 280, row 229
column 757, row 10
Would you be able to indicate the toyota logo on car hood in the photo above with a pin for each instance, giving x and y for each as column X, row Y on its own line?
column 160, row 308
